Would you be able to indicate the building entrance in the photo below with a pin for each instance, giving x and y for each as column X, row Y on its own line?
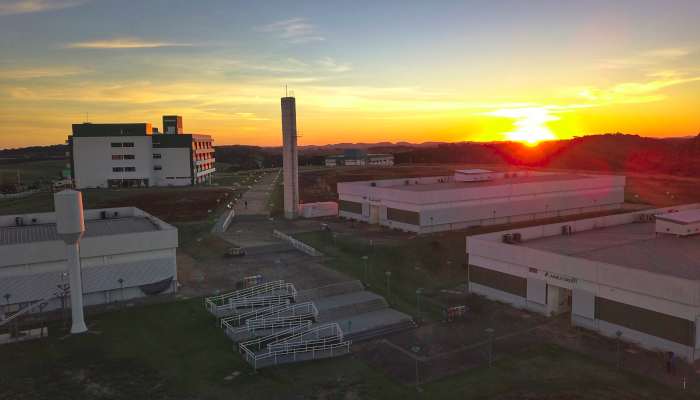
column 373, row 214
column 559, row 299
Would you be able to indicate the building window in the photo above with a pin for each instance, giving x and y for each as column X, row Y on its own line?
column 157, row 168
column 129, row 157
column 156, row 145
column 128, row 144
column 122, row 131
column 117, row 157
column 129, row 169
column 117, row 169
column 116, row 145
column 156, row 156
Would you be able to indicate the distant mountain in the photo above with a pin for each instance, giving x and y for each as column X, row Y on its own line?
column 365, row 146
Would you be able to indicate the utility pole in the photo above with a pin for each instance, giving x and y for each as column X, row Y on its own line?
column 19, row 179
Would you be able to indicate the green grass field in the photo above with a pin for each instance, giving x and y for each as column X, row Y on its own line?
column 33, row 172
column 172, row 351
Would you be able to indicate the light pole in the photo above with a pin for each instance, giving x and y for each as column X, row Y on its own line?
column 201, row 289
column 255, row 359
column 216, row 308
column 239, row 238
column 365, row 258
column 335, row 243
column 418, row 308
column 448, row 267
column 234, row 312
column 552, row 313
column 464, row 289
column 277, row 267
column 121, row 290
column 636, row 202
column 490, row 331
column 388, row 287
column 390, row 231
column 417, row 269
column 64, row 293
column 350, row 337
column 618, row 333
column 415, row 351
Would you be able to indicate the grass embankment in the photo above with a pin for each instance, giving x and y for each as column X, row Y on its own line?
column 34, row 171
column 171, row 351
column 429, row 253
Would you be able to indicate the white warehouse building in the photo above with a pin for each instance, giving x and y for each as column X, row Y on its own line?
column 119, row 243
column 636, row 273
column 137, row 155
column 477, row 198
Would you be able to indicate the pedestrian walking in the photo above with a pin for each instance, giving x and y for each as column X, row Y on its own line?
column 246, row 204
column 673, row 363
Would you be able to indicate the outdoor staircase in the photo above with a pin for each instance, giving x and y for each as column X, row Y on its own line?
column 352, row 309
column 383, row 330
column 330, row 290
column 268, row 248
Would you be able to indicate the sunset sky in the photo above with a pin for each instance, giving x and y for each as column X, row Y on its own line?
column 361, row 71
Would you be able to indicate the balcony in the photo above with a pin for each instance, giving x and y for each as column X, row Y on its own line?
column 203, row 151
column 200, row 162
column 205, row 172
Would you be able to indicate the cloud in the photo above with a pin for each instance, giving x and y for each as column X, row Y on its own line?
column 28, row 73
column 123, row 44
column 646, row 58
column 251, row 117
column 293, row 31
column 634, row 92
column 329, row 64
column 10, row 7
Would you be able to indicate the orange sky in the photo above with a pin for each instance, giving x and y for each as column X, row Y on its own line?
column 522, row 70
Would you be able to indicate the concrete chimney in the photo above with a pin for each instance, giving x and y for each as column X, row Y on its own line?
column 70, row 225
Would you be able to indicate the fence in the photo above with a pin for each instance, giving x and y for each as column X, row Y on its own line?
column 21, row 194
column 25, row 311
column 298, row 245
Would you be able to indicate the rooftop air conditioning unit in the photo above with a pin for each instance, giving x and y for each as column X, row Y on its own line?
column 566, row 230
column 407, row 183
column 373, row 183
column 513, row 175
column 508, row 238
column 116, row 214
column 103, row 214
column 506, row 176
column 517, row 237
column 18, row 221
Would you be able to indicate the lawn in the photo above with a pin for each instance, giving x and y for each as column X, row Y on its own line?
column 172, row 351
column 34, row 171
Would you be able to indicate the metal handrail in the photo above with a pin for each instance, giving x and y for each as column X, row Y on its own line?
column 297, row 244
column 255, row 314
column 25, row 311
column 249, row 292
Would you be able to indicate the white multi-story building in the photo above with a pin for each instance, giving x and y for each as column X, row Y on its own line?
column 477, row 198
column 619, row 273
column 119, row 243
column 137, row 155
column 358, row 157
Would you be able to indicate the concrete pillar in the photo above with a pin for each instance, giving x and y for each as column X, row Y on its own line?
column 290, row 160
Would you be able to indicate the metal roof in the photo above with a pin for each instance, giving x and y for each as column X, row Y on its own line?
column 94, row 228
column 634, row 246
column 32, row 287
column 429, row 187
column 473, row 171
column 682, row 217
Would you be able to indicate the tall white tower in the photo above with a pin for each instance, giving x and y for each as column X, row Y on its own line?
column 290, row 160
column 70, row 225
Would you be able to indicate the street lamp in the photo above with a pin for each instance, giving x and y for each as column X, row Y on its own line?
column 636, row 202
column 239, row 238
column 464, row 289
column 388, row 287
column 416, row 350
column 255, row 359
column 121, row 289
column 277, row 264
column 448, row 267
column 552, row 313
column 390, row 230
column 417, row 269
column 365, row 258
column 201, row 289
column 350, row 337
column 216, row 308
column 234, row 312
column 618, row 333
column 64, row 293
column 490, row 331
column 335, row 243
column 418, row 308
